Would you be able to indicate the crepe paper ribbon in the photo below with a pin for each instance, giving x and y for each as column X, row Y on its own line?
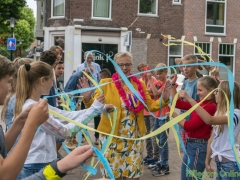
column 105, row 163
column 176, row 119
column 108, row 141
column 200, row 51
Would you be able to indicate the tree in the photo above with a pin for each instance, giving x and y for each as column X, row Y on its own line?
column 10, row 8
column 23, row 29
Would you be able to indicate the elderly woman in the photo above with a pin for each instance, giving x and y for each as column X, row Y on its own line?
column 125, row 156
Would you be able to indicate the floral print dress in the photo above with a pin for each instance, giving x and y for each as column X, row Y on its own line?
column 125, row 156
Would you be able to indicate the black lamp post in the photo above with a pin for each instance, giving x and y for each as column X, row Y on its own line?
column 12, row 23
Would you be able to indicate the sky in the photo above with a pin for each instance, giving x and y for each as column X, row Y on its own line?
column 33, row 5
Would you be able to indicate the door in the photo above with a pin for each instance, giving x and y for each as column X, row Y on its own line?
column 108, row 49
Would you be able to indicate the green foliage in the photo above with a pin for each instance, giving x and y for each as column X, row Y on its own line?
column 4, row 51
column 23, row 31
column 24, row 27
column 10, row 8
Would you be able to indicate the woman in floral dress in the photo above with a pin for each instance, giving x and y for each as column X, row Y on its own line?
column 124, row 156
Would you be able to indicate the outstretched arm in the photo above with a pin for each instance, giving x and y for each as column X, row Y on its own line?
column 204, row 115
column 11, row 166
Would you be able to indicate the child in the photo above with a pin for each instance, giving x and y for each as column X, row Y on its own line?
column 151, row 145
column 30, row 119
column 190, row 84
column 59, row 70
column 11, row 165
column 222, row 153
column 59, row 52
column 34, row 80
column 105, row 73
column 216, row 75
column 198, row 132
column 162, row 167
column 9, row 104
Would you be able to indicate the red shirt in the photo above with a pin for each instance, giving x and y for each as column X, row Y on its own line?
column 196, row 127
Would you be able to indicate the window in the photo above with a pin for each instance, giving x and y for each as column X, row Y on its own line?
column 226, row 56
column 206, row 48
column 148, row 7
column 215, row 17
column 58, row 8
column 176, row 1
column 174, row 51
column 101, row 9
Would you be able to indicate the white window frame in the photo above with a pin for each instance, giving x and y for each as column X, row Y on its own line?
column 177, row 3
column 57, row 17
column 234, row 55
column 150, row 15
column 210, row 50
column 225, row 18
column 176, row 56
column 103, row 18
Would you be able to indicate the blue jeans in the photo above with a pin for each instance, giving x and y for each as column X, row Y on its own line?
column 30, row 169
column 196, row 152
column 163, row 142
column 227, row 170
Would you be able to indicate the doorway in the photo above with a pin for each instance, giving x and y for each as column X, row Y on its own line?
column 107, row 49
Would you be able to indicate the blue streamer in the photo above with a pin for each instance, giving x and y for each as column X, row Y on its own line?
column 79, row 138
column 90, row 169
column 65, row 148
column 105, row 163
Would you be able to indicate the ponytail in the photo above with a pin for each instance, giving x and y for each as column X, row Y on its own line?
column 28, row 77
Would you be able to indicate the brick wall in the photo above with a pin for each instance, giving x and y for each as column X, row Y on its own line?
column 124, row 12
column 194, row 25
column 139, row 51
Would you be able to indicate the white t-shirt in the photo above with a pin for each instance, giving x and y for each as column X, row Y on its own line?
column 221, row 146
column 43, row 147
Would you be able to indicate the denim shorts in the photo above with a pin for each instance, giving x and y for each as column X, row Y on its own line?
column 30, row 169
column 227, row 170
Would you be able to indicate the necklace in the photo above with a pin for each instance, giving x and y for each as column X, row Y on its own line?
column 130, row 100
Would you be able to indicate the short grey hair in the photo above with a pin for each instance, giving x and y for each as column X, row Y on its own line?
column 123, row 54
column 85, row 53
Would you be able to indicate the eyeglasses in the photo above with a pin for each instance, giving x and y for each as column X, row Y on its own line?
column 127, row 65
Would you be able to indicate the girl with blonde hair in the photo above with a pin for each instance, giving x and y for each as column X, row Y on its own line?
column 34, row 80
column 219, row 146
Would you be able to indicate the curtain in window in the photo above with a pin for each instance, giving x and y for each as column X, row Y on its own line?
column 101, row 8
column 153, row 7
column 58, row 7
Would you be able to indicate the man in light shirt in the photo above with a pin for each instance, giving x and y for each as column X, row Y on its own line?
column 88, row 62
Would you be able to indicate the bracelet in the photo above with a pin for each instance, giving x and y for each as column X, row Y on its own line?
column 54, row 166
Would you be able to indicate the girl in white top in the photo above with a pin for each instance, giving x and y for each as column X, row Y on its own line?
column 34, row 80
column 219, row 146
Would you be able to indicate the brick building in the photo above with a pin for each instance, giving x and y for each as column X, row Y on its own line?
column 108, row 25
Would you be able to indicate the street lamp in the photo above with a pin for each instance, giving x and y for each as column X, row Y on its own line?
column 20, row 42
column 12, row 21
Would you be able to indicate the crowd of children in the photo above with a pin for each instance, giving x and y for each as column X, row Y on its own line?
column 28, row 149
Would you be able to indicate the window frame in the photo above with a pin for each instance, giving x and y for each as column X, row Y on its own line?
column 102, row 18
column 57, row 17
column 177, row 3
column 225, row 18
column 174, row 56
column 210, row 50
column 234, row 55
column 149, row 15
